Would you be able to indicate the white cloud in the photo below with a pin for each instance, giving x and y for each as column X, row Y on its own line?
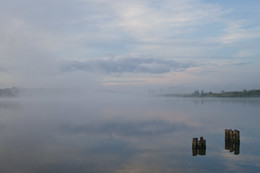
column 169, row 19
column 244, row 54
column 238, row 34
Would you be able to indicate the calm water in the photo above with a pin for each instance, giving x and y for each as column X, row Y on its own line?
column 109, row 133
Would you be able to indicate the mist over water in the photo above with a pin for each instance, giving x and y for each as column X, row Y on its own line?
column 80, row 82
column 109, row 132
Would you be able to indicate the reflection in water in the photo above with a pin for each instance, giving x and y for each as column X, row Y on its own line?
column 8, row 104
column 200, row 151
column 126, row 135
column 126, row 129
column 232, row 141
column 232, row 147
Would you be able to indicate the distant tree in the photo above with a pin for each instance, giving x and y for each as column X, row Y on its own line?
column 196, row 93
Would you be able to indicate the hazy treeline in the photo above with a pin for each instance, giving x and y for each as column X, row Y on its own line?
column 17, row 91
column 244, row 93
column 229, row 94
column 9, row 92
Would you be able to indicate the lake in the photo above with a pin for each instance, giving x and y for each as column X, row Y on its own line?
column 125, row 133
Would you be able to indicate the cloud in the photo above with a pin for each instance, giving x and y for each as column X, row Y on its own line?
column 36, row 36
column 240, row 33
column 125, row 65
column 244, row 53
column 167, row 18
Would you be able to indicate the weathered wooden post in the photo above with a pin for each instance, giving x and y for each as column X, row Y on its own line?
column 231, row 147
column 227, row 144
column 202, row 143
column 237, row 136
column 237, row 148
column 230, row 135
column 194, row 146
column 202, row 151
column 232, row 141
column 198, row 145
column 194, row 152
column 195, row 143
column 226, row 133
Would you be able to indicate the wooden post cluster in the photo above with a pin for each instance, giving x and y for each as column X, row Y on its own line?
column 198, row 146
column 232, row 136
column 232, row 141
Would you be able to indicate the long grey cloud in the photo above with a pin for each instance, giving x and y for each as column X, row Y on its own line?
column 132, row 65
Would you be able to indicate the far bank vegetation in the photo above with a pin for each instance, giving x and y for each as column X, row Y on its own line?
column 222, row 94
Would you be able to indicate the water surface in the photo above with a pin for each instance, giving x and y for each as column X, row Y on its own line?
column 123, row 133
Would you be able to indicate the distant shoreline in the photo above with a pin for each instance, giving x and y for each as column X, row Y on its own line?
column 223, row 94
column 9, row 92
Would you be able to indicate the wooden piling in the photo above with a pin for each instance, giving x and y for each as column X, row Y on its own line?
column 231, row 147
column 227, row 144
column 226, row 133
column 232, row 141
column 194, row 152
column 195, row 143
column 237, row 136
column 237, row 148
column 198, row 146
column 202, row 151
column 230, row 137
column 202, row 143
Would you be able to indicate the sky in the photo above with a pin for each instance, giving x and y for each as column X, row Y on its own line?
column 179, row 44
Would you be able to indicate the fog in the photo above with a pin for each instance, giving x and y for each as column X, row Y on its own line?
column 120, row 132
column 82, row 82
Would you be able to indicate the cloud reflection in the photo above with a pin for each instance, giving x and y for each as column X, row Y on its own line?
column 145, row 128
